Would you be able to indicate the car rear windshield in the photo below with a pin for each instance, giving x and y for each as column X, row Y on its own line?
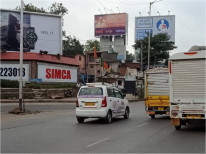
column 91, row 91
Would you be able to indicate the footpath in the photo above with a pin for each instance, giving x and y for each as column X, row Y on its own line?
column 130, row 98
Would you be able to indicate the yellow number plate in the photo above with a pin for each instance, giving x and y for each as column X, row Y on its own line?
column 161, row 108
column 193, row 116
column 90, row 104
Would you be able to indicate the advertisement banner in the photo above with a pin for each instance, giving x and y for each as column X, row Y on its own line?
column 40, row 32
column 12, row 71
column 57, row 73
column 110, row 24
column 156, row 25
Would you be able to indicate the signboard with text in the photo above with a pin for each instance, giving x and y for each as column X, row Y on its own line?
column 156, row 25
column 40, row 32
column 110, row 24
column 12, row 71
column 57, row 73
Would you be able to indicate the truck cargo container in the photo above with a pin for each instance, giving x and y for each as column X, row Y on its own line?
column 187, row 88
column 157, row 92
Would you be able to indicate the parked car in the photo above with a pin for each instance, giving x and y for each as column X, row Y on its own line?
column 97, row 100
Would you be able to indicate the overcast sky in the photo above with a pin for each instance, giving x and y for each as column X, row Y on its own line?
column 190, row 17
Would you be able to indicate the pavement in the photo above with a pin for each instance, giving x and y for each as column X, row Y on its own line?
column 130, row 98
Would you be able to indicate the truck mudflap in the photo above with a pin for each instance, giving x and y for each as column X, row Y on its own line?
column 175, row 122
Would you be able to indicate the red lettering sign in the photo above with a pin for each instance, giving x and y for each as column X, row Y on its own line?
column 58, row 74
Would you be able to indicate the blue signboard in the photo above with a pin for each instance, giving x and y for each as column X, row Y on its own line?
column 156, row 25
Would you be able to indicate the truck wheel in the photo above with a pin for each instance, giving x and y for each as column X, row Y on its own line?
column 109, row 117
column 80, row 120
column 126, row 115
column 178, row 127
column 152, row 116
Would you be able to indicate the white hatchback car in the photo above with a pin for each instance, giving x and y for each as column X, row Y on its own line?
column 96, row 100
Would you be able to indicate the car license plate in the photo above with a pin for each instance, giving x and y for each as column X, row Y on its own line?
column 90, row 104
column 161, row 108
column 193, row 116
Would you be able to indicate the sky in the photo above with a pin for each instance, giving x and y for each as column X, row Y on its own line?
column 190, row 17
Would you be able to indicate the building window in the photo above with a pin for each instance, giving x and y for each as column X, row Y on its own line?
column 92, row 66
column 98, row 71
column 119, row 83
column 80, row 58
column 91, row 57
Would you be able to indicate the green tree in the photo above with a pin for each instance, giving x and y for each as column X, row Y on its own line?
column 159, row 48
column 58, row 9
column 72, row 46
column 89, row 45
column 30, row 7
column 129, row 56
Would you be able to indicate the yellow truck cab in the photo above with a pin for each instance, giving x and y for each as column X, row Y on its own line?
column 157, row 92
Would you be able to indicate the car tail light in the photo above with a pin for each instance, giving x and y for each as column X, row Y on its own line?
column 77, row 103
column 104, row 102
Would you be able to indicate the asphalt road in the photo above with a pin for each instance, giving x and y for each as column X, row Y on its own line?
column 56, row 131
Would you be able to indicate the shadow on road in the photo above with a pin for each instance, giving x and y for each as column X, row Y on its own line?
column 159, row 118
column 97, row 121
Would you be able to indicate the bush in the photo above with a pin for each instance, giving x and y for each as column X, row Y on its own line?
column 15, row 84
column 49, row 86
column 9, row 83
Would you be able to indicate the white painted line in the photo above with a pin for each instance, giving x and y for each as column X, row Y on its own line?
column 142, row 125
column 97, row 142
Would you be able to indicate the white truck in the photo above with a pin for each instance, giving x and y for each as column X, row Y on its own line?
column 187, row 80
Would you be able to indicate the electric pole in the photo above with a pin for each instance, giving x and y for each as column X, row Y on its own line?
column 150, row 5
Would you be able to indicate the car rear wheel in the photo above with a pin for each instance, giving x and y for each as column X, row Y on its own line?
column 80, row 119
column 109, row 117
column 126, row 115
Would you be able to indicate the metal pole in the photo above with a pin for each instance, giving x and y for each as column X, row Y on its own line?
column 141, row 56
column 149, row 35
column 95, row 71
column 87, row 66
column 21, row 57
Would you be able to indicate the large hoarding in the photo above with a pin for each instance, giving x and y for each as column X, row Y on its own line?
column 57, row 73
column 12, row 72
column 156, row 24
column 110, row 24
column 40, row 32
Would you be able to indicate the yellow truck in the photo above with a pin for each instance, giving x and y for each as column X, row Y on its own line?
column 157, row 92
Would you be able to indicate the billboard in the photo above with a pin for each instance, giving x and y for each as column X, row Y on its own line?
column 56, row 73
column 156, row 25
column 40, row 32
column 110, row 24
column 12, row 71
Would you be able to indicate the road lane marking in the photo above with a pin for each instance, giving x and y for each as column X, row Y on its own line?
column 142, row 125
column 97, row 142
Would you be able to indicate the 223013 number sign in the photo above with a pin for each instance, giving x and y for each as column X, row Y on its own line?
column 11, row 72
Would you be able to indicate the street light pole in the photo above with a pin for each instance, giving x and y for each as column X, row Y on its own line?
column 150, row 4
column 141, row 56
column 21, row 57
